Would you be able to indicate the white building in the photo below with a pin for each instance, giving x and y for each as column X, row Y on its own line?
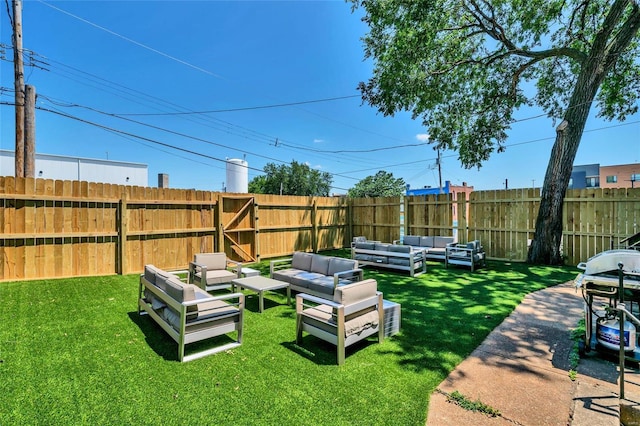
column 60, row 167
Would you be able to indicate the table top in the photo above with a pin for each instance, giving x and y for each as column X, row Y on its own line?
column 258, row 283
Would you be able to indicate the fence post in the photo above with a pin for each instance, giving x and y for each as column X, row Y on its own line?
column 407, row 216
column 314, row 226
column 122, row 234
column 256, row 232
column 219, row 237
column 463, row 235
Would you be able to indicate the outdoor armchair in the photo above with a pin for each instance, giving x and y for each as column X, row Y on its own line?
column 355, row 313
column 470, row 254
column 209, row 271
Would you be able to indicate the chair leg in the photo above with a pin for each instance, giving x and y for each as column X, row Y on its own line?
column 298, row 329
column 340, row 349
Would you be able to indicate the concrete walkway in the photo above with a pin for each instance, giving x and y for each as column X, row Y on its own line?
column 522, row 370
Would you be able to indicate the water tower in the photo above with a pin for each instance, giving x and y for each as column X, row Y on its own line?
column 237, row 175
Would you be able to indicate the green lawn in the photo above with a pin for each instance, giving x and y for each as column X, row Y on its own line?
column 75, row 351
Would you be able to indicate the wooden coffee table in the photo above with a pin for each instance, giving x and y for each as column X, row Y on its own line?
column 261, row 284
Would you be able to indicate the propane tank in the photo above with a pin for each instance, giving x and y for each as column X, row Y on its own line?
column 608, row 334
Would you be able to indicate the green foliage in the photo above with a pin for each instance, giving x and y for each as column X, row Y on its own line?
column 75, row 351
column 467, row 404
column 294, row 179
column 382, row 184
column 578, row 338
column 461, row 66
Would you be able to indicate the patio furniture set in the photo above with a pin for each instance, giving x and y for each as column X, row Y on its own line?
column 334, row 302
column 411, row 254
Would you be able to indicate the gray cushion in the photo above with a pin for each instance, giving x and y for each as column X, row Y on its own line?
column 286, row 274
column 379, row 259
column 218, row 276
column 426, row 241
column 179, row 291
column 363, row 257
column 303, row 279
column 352, row 293
column 441, row 242
column 474, row 245
column 399, row 249
column 322, row 285
column 382, row 247
column 411, row 240
column 366, row 246
column 211, row 260
column 320, row 264
column 399, row 261
column 150, row 273
column 160, row 278
column 302, row 260
column 337, row 264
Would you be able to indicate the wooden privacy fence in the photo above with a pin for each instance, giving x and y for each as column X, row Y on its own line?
column 71, row 228
column 504, row 221
column 63, row 228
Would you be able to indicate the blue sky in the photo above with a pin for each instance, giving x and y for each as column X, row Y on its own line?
column 158, row 60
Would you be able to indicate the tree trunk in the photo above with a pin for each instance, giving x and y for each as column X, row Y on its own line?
column 545, row 247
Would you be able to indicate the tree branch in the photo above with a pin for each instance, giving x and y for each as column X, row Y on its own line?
column 497, row 32
column 622, row 40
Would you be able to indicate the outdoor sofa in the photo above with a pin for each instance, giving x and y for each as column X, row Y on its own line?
column 435, row 247
column 315, row 274
column 391, row 256
column 189, row 314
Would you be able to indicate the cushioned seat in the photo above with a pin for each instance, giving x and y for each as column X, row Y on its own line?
column 355, row 313
column 213, row 267
column 188, row 313
column 314, row 273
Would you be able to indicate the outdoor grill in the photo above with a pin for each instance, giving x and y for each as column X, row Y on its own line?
column 601, row 278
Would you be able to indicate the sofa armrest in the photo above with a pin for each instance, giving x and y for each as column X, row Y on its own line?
column 274, row 265
column 234, row 264
column 352, row 275
column 460, row 250
column 301, row 297
column 223, row 297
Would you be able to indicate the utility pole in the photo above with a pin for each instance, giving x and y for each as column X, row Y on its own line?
column 506, row 184
column 439, row 172
column 18, row 68
column 29, row 131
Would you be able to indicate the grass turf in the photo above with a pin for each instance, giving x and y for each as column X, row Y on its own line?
column 75, row 351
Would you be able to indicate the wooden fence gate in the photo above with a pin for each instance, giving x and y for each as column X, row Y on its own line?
column 238, row 230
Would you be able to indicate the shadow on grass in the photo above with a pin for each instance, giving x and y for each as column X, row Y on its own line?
column 163, row 345
column 447, row 312
column 323, row 353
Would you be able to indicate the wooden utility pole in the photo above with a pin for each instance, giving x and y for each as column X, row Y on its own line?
column 18, row 68
column 29, row 131
column 439, row 171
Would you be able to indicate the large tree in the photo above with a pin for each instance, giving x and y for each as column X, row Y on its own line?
column 460, row 66
column 382, row 184
column 294, row 179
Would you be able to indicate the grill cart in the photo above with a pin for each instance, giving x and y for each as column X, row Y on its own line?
column 611, row 276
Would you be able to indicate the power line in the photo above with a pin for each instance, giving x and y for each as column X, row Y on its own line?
column 171, row 131
column 247, row 108
column 137, row 43
column 154, row 141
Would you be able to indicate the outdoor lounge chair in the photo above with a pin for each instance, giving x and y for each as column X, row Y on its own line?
column 355, row 313
column 209, row 271
column 470, row 254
